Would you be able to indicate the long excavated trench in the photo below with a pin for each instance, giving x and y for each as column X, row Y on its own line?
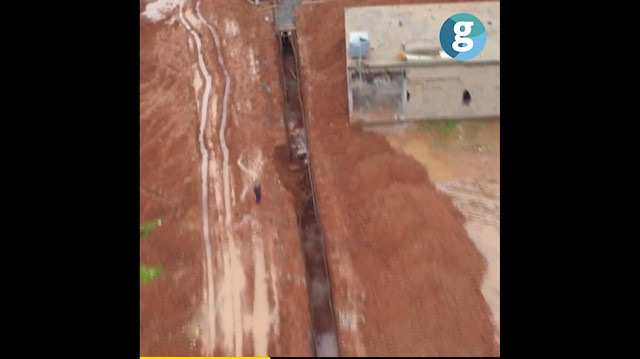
column 295, row 172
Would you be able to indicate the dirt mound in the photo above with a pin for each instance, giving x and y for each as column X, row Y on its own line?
column 405, row 275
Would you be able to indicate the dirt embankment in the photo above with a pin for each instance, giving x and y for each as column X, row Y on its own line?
column 405, row 276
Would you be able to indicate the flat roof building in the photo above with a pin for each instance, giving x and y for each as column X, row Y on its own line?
column 384, row 85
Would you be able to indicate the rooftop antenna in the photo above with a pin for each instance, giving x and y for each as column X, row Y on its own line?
column 359, row 67
column 360, row 72
column 360, row 64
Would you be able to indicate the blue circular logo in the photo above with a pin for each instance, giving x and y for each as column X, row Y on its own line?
column 463, row 36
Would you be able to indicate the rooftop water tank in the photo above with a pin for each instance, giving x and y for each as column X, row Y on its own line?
column 359, row 45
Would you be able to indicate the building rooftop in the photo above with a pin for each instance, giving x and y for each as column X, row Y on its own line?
column 391, row 26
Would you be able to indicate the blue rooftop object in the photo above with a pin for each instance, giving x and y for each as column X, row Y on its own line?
column 359, row 45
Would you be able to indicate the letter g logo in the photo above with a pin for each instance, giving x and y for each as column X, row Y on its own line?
column 460, row 38
column 463, row 36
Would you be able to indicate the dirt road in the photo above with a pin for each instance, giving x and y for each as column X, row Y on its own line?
column 233, row 280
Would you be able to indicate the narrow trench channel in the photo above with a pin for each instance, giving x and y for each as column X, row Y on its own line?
column 296, row 160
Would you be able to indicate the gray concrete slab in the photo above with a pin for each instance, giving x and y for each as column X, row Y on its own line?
column 285, row 15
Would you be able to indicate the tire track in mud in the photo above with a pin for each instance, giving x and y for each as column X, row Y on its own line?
column 223, row 325
column 263, row 317
column 163, row 201
column 477, row 200
column 232, row 260
column 204, row 180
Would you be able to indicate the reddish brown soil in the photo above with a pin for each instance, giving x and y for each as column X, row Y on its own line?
column 168, row 156
column 171, row 318
column 405, row 277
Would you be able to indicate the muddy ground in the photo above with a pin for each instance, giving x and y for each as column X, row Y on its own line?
column 463, row 160
column 406, row 277
column 260, row 303
column 408, row 272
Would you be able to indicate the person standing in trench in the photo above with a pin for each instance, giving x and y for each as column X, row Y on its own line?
column 257, row 192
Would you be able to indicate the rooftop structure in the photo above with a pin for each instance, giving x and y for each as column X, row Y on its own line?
column 383, row 86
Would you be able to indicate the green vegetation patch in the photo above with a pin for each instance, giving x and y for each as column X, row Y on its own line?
column 147, row 227
column 149, row 273
column 444, row 128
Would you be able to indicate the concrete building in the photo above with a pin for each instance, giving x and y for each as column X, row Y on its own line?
column 385, row 87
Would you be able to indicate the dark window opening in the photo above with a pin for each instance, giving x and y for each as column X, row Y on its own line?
column 408, row 96
column 466, row 98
